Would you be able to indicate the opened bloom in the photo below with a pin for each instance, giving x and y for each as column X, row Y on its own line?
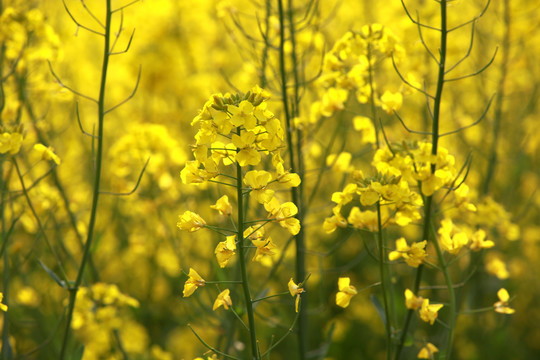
column 501, row 306
column 3, row 307
column 223, row 299
column 190, row 221
column 265, row 247
column 257, row 180
column 414, row 255
column 223, row 205
column 428, row 312
column 412, row 301
column 346, row 292
column 10, row 143
column 295, row 291
column 193, row 282
column 47, row 153
column 284, row 214
column 225, row 250
column 428, row 351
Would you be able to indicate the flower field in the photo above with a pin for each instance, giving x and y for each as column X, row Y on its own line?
column 269, row 179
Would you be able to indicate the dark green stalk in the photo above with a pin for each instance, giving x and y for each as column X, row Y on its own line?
column 97, row 180
column 451, row 294
column 434, row 146
column 382, row 274
column 492, row 162
column 372, row 97
column 6, row 352
column 242, row 258
column 40, row 225
column 60, row 187
column 297, row 193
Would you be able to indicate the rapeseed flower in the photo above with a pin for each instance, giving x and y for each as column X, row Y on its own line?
column 346, row 292
column 428, row 312
column 295, row 290
column 10, row 142
column 193, row 282
column 412, row 301
column 283, row 214
column 258, row 180
column 428, row 351
column 265, row 247
column 47, row 153
column 501, row 306
column 223, row 206
column 414, row 255
column 190, row 221
column 225, row 250
column 3, row 307
column 223, row 299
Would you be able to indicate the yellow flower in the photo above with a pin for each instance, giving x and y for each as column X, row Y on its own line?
column 223, row 299
column 193, row 282
column 412, row 301
column 366, row 219
column 332, row 223
column 10, row 142
column 257, row 180
column 223, row 205
column 340, row 162
column 346, row 292
column 284, row 215
column 479, row 242
column 452, row 239
column 428, row 312
column 3, row 307
column 364, row 125
column 413, row 255
column 264, row 248
column 190, row 222
column 427, row 351
column 496, row 266
column 47, row 153
column 295, row 291
column 247, row 154
column 254, row 233
column 501, row 306
column 225, row 250
column 243, row 115
column 391, row 102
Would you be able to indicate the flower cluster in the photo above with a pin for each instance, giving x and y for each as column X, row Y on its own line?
column 235, row 134
column 391, row 192
column 348, row 67
column 98, row 312
column 428, row 312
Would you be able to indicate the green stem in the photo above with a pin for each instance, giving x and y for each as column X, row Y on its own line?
column 492, row 163
column 372, row 97
column 382, row 274
column 434, row 146
column 451, row 294
column 242, row 260
column 295, row 192
column 97, row 181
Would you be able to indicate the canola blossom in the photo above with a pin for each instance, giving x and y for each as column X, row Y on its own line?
column 385, row 157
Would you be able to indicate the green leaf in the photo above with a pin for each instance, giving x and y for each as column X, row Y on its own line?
column 52, row 274
column 379, row 307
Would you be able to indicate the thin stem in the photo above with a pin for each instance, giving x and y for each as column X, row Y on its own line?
column 434, row 146
column 492, row 162
column 451, row 293
column 382, row 274
column 295, row 192
column 242, row 260
column 97, row 181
